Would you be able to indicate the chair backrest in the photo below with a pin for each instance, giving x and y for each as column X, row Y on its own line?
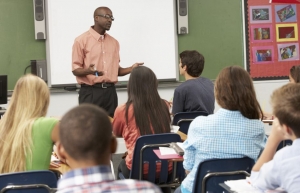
column 184, row 119
column 284, row 143
column 211, row 173
column 149, row 157
column 28, row 182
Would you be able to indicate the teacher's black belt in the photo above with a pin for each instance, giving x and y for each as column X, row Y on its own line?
column 100, row 85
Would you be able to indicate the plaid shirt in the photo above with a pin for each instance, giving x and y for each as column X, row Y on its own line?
column 100, row 179
column 225, row 134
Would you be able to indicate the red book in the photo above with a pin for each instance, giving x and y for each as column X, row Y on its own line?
column 284, row 1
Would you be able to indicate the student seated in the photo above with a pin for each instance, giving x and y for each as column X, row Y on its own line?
column 144, row 113
column 196, row 93
column 281, row 169
column 27, row 136
column 234, row 131
column 294, row 75
column 87, row 143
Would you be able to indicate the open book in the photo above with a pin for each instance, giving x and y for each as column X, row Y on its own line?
column 175, row 148
column 244, row 186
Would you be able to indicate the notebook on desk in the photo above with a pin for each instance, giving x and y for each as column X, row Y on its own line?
column 166, row 156
column 174, row 148
column 244, row 186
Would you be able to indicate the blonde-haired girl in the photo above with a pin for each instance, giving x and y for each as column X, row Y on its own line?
column 26, row 135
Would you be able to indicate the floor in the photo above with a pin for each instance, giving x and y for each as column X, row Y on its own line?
column 116, row 159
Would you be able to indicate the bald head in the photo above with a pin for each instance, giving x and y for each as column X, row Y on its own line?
column 101, row 10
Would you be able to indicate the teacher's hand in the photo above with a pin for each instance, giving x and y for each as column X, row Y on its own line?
column 93, row 70
column 137, row 64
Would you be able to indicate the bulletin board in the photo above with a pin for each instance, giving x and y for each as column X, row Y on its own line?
column 272, row 42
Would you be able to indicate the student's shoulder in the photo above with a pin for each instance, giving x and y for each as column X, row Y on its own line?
column 46, row 120
column 283, row 153
column 120, row 109
column 185, row 86
column 205, row 81
column 202, row 122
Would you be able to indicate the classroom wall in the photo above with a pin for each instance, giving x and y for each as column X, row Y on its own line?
column 215, row 29
column 61, row 102
column 209, row 23
column 17, row 43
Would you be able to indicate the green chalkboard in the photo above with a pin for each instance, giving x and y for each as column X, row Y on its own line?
column 215, row 30
column 17, row 43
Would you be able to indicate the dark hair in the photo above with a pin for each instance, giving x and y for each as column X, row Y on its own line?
column 295, row 73
column 149, row 110
column 85, row 132
column 234, row 90
column 194, row 62
column 286, row 106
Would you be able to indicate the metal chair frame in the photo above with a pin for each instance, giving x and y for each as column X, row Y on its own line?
column 209, row 175
column 233, row 168
column 143, row 153
column 175, row 182
column 29, row 181
column 31, row 186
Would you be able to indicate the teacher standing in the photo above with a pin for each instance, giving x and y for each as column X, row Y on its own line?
column 95, row 63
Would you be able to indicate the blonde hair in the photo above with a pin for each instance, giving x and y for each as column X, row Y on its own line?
column 30, row 100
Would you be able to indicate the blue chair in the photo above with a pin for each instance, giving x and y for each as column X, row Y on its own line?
column 143, row 153
column 211, row 173
column 28, row 182
column 184, row 119
column 284, row 143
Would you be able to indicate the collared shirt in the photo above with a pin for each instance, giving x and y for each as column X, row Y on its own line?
column 103, row 51
column 283, row 171
column 225, row 134
column 99, row 179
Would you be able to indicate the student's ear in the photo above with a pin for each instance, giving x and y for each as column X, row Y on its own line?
column 113, row 144
column 62, row 154
column 183, row 67
column 289, row 133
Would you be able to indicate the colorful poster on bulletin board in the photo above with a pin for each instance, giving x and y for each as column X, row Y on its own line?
column 272, row 38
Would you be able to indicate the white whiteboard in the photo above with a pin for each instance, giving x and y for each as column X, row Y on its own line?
column 145, row 29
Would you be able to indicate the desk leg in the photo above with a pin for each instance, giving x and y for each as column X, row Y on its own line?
column 174, row 170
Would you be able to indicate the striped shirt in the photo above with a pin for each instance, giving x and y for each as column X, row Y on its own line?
column 100, row 179
column 225, row 134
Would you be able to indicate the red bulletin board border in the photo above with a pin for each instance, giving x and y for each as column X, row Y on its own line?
column 277, row 68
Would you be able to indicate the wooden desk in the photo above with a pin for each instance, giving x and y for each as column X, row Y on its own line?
column 182, row 135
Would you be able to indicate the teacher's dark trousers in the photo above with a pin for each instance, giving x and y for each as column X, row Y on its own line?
column 103, row 95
